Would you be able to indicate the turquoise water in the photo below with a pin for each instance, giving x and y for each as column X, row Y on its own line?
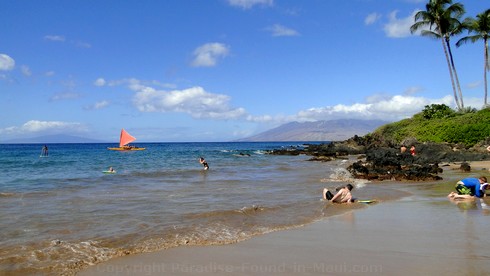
column 61, row 213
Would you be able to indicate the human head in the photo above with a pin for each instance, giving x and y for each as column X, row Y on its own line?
column 349, row 186
column 483, row 180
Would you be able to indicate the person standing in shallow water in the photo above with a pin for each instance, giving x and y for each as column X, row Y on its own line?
column 204, row 163
column 45, row 151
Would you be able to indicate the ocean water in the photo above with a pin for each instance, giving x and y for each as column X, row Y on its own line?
column 61, row 213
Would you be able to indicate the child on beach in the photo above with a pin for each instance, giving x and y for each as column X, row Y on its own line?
column 343, row 195
column 470, row 187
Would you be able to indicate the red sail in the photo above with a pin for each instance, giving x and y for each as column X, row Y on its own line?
column 125, row 138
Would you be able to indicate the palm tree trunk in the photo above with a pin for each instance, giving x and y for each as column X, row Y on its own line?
column 461, row 104
column 456, row 100
column 485, row 69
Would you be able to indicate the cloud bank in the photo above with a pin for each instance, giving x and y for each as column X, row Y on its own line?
column 201, row 104
column 389, row 109
column 35, row 126
column 195, row 101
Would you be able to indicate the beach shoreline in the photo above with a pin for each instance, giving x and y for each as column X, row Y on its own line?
column 421, row 233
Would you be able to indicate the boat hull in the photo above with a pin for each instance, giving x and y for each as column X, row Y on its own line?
column 126, row 148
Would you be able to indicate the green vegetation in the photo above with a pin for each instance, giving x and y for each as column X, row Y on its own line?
column 439, row 123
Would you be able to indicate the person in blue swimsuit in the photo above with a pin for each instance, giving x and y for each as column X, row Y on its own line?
column 469, row 188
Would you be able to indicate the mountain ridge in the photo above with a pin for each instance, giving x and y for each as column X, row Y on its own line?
column 325, row 130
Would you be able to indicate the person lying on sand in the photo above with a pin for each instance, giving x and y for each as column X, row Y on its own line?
column 343, row 195
column 469, row 188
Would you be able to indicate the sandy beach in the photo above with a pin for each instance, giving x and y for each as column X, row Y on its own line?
column 422, row 234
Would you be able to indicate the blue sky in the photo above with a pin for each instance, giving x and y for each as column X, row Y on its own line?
column 218, row 70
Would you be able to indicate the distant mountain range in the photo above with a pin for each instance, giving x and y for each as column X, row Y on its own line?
column 333, row 130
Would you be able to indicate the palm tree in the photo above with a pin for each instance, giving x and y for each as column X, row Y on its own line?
column 440, row 20
column 481, row 29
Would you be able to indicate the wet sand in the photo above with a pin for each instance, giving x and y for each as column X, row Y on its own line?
column 424, row 233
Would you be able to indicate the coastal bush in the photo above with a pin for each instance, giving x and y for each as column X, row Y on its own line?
column 437, row 123
column 437, row 111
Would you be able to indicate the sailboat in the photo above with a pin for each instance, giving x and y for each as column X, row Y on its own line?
column 124, row 141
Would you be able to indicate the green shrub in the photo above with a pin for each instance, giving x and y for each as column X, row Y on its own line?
column 437, row 111
column 439, row 123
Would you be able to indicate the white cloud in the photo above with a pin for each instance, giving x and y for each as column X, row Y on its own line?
column 372, row 18
column 26, row 71
column 398, row 28
column 101, row 104
column 474, row 102
column 279, row 30
column 194, row 101
column 264, row 119
column 82, row 44
column 388, row 108
column 204, row 105
column 100, row 82
column 131, row 81
column 6, row 62
column 60, row 38
column 208, row 54
column 247, row 4
column 65, row 96
column 49, row 74
column 57, row 38
column 412, row 90
column 35, row 126
column 474, row 85
column 97, row 105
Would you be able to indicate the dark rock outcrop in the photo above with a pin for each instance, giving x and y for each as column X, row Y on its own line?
column 385, row 161
column 389, row 164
